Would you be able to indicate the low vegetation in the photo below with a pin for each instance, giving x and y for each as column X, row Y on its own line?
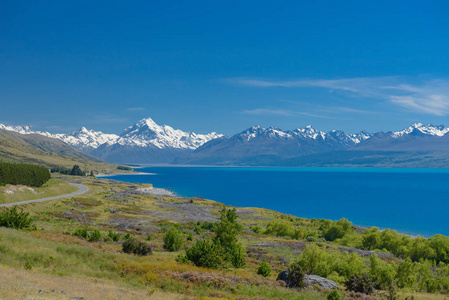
column 13, row 218
column 201, row 249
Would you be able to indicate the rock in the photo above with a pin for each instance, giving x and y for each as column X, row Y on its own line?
column 284, row 277
column 77, row 298
column 63, row 292
column 310, row 280
column 113, row 210
column 319, row 281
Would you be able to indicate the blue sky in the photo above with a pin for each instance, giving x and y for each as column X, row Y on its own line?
column 224, row 65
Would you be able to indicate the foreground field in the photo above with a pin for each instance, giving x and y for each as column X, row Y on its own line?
column 55, row 264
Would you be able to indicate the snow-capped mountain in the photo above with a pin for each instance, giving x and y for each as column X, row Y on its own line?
column 433, row 130
column 147, row 133
column 417, row 137
column 148, row 142
column 86, row 140
column 18, row 129
column 267, row 146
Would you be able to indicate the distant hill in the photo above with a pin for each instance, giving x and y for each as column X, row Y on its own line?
column 45, row 151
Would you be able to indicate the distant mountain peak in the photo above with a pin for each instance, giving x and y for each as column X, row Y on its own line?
column 429, row 129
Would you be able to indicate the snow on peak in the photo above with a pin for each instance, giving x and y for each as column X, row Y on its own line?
column 19, row 129
column 147, row 133
column 87, row 138
column 310, row 132
column 439, row 130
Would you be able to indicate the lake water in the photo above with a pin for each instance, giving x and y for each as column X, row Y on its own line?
column 412, row 201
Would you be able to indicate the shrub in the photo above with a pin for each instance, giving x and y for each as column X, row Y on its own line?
column 315, row 260
column 360, row 284
column 337, row 230
column 15, row 219
column 280, row 228
column 295, row 275
column 94, row 236
column 136, row 247
column 81, row 233
column 264, row 269
column 205, row 253
column 172, row 240
column 115, row 236
column 334, row 295
column 257, row 229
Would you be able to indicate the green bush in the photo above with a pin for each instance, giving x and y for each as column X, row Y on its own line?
column 115, row 236
column 280, row 228
column 84, row 233
column 360, row 284
column 264, row 269
column 172, row 240
column 257, row 229
column 334, row 295
column 295, row 275
column 94, row 236
column 133, row 246
column 205, row 253
column 337, row 230
column 15, row 219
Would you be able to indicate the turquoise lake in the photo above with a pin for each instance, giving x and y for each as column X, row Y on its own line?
column 412, row 201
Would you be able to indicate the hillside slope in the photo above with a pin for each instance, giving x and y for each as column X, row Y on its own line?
column 48, row 152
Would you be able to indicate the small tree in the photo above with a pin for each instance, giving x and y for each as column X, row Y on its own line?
column 295, row 275
column 360, row 283
column 172, row 240
column 264, row 269
column 226, row 231
column 205, row 253
column 76, row 171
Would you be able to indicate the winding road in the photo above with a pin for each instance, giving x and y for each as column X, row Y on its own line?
column 82, row 189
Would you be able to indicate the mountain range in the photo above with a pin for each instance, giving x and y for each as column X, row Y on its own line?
column 149, row 143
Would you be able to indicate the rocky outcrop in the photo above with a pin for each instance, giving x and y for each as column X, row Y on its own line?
column 310, row 280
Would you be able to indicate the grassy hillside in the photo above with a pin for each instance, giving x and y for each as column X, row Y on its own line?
column 18, row 193
column 40, row 150
column 52, row 259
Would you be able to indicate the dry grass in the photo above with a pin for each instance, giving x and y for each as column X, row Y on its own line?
column 18, row 193
column 20, row 284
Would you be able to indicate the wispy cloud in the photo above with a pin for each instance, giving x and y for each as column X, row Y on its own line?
column 422, row 96
column 279, row 112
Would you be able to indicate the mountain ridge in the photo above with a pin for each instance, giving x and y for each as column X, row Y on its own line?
column 148, row 142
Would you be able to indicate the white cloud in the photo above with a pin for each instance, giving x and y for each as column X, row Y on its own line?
column 423, row 96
